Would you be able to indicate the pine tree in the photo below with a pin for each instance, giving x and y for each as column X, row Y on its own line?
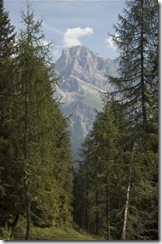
column 137, row 87
column 10, row 185
column 36, row 160
column 44, row 157
column 137, row 40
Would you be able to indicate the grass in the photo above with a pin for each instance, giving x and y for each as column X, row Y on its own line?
column 60, row 234
column 53, row 233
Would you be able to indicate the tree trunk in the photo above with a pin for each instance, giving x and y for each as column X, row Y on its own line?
column 108, row 222
column 123, row 237
column 97, row 217
column 28, row 217
column 142, row 71
column 86, row 214
column 108, row 211
column 14, row 222
column 26, row 154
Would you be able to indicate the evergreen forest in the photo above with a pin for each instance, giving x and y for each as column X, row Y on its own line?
column 114, row 194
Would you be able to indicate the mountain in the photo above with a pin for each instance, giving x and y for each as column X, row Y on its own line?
column 83, row 80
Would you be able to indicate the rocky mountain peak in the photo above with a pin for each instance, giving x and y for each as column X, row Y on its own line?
column 77, row 51
column 83, row 78
column 81, row 62
column 77, row 58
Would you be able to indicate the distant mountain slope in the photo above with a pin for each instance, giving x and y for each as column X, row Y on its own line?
column 83, row 78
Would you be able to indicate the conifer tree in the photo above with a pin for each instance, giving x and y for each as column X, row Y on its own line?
column 137, row 87
column 100, row 180
column 137, row 40
column 44, row 156
column 37, row 166
column 121, row 152
column 8, row 149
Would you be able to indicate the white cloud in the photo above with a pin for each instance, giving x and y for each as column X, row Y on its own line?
column 72, row 35
column 110, row 43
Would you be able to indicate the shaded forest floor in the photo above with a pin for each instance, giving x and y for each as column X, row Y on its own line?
column 53, row 233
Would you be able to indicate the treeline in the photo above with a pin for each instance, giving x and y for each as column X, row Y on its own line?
column 116, row 188
column 36, row 170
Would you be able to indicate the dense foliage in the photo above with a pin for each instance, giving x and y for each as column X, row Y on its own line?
column 115, row 194
column 116, row 188
column 35, row 160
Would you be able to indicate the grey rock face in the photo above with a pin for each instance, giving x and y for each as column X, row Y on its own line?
column 83, row 80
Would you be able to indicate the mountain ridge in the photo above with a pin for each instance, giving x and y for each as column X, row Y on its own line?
column 83, row 80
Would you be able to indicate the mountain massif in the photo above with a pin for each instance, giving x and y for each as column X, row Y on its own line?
column 83, row 80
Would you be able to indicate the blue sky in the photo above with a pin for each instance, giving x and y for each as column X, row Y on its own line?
column 68, row 23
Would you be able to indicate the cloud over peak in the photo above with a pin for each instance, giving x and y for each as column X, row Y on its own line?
column 110, row 43
column 72, row 35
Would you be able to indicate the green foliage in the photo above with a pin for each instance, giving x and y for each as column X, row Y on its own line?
column 10, row 185
column 136, row 36
column 102, row 174
column 137, row 86
column 116, row 188
column 5, row 233
column 36, row 164
column 119, row 171
column 102, row 181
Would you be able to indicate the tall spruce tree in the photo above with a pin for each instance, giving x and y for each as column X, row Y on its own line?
column 37, row 170
column 136, row 37
column 137, row 87
column 9, row 183
column 44, row 156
